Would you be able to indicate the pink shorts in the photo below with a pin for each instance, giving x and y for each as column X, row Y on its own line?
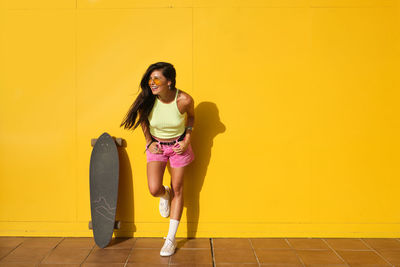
column 175, row 160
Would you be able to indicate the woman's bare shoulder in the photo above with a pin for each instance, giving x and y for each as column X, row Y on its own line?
column 184, row 98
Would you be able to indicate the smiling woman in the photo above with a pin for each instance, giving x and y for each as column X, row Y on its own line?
column 166, row 115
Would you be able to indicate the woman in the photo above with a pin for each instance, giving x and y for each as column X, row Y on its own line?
column 166, row 116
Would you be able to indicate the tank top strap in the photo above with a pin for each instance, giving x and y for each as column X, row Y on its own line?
column 176, row 95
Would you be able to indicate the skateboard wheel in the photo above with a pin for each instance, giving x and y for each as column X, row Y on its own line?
column 90, row 225
column 118, row 141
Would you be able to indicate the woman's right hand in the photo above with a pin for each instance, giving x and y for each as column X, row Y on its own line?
column 155, row 148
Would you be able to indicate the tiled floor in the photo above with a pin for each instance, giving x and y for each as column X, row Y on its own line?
column 293, row 252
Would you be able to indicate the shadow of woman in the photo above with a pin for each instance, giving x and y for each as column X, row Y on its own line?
column 207, row 127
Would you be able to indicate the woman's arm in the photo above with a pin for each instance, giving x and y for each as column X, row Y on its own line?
column 146, row 131
column 186, row 104
column 150, row 145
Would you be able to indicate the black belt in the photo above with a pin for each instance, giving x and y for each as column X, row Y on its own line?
column 172, row 142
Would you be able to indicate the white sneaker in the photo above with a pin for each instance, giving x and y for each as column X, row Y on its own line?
column 168, row 248
column 164, row 205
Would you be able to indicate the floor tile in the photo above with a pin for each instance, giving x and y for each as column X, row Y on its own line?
column 269, row 243
column 18, row 264
column 277, row 256
column 5, row 251
column 319, row 257
column 392, row 256
column 361, row 257
column 58, row 265
column 146, row 265
column 383, row 243
column 238, row 265
column 103, row 264
column 67, row 255
column 11, row 241
column 347, row 243
column 307, row 243
column 234, row 255
column 120, row 243
column 193, row 243
column 231, row 243
column 191, row 265
column 187, row 256
column 149, row 243
column 33, row 255
column 41, row 242
column 327, row 265
column 147, row 255
column 108, row 255
column 77, row 242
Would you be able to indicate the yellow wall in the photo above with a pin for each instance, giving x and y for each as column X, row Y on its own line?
column 297, row 114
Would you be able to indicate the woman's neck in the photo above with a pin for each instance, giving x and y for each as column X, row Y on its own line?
column 168, row 96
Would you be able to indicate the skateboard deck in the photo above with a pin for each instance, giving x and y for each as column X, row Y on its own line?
column 104, row 179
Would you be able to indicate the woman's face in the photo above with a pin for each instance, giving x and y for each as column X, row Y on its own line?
column 158, row 83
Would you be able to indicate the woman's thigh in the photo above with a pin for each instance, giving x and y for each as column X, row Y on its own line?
column 155, row 174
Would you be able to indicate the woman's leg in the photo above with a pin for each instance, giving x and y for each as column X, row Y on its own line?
column 155, row 174
column 177, row 175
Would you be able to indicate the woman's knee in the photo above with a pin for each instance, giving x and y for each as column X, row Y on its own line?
column 155, row 190
column 177, row 190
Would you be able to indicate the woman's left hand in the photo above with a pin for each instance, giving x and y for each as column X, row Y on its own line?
column 180, row 147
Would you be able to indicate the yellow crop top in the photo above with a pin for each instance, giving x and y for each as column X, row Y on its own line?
column 165, row 119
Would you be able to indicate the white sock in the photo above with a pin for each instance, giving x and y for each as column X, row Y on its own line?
column 166, row 195
column 173, row 227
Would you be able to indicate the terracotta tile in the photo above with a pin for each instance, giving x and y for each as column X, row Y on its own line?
column 103, row 264
column 67, row 255
column 329, row 265
column 18, row 264
column 192, row 265
column 307, row 243
column 6, row 242
column 239, row 265
column 26, row 255
column 319, row 257
column 361, row 257
column 120, row 243
column 234, row 255
column 149, row 243
column 383, row 243
column 347, row 243
column 147, row 255
column 41, row 242
column 392, row 256
column 231, row 243
column 137, row 264
column 77, row 242
column 4, row 251
column 198, row 256
column 58, row 265
column 194, row 243
column 269, row 243
column 108, row 255
column 277, row 256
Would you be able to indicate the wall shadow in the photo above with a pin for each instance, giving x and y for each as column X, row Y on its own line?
column 207, row 126
column 125, row 206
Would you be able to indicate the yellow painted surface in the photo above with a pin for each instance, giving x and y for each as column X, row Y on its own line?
column 297, row 115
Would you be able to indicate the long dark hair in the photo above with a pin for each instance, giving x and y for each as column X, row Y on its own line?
column 145, row 101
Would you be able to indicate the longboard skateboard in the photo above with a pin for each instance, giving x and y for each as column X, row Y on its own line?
column 104, row 179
